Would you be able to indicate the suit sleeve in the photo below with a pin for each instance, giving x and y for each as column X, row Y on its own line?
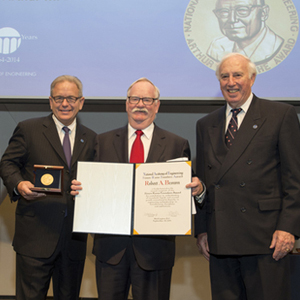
column 13, row 160
column 186, row 152
column 289, row 151
column 200, row 217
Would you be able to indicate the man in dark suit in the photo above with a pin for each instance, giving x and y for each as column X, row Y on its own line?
column 251, row 213
column 145, row 262
column 44, row 244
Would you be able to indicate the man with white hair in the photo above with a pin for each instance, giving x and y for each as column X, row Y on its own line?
column 248, row 158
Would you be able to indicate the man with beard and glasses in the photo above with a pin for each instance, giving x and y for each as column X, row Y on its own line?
column 145, row 262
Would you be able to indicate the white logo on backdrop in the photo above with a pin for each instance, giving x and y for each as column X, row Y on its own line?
column 10, row 40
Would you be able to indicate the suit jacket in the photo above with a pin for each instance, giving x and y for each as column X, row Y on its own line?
column 152, row 252
column 253, row 188
column 39, row 222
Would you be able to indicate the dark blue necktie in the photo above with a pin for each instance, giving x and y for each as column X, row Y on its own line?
column 232, row 127
column 67, row 146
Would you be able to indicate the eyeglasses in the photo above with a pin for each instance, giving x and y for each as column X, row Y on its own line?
column 146, row 100
column 240, row 11
column 70, row 99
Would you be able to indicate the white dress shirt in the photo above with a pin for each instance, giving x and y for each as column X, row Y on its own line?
column 61, row 132
column 146, row 139
column 240, row 115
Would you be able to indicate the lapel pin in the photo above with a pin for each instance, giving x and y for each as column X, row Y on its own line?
column 81, row 140
column 255, row 126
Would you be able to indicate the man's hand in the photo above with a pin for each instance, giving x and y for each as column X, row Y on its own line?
column 75, row 187
column 24, row 189
column 196, row 186
column 202, row 244
column 282, row 243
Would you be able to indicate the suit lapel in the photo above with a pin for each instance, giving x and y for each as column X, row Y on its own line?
column 79, row 143
column 158, row 145
column 217, row 136
column 251, row 125
column 51, row 134
column 120, row 144
column 156, row 148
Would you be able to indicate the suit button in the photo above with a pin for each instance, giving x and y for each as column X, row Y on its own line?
column 242, row 184
column 63, row 212
column 243, row 209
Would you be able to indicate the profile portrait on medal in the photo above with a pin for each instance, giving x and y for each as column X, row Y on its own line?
column 243, row 24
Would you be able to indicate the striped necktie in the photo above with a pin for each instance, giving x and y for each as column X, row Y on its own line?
column 232, row 127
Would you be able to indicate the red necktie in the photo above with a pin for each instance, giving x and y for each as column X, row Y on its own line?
column 137, row 150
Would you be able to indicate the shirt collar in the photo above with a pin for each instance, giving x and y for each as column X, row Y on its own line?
column 244, row 107
column 147, row 131
column 60, row 125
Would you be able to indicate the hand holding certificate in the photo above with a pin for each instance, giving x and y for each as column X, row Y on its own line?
column 134, row 199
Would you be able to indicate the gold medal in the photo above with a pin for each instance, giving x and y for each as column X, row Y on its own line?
column 47, row 179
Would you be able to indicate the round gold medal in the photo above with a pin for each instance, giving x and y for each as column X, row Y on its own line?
column 47, row 179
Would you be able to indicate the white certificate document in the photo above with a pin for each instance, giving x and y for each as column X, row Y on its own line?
column 134, row 199
column 162, row 203
column 105, row 203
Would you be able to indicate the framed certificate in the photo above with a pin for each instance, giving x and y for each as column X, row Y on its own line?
column 48, row 179
column 134, row 199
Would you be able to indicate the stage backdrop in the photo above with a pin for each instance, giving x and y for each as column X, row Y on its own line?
column 175, row 43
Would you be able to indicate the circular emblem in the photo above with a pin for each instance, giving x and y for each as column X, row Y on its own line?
column 264, row 31
column 10, row 40
column 47, row 179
